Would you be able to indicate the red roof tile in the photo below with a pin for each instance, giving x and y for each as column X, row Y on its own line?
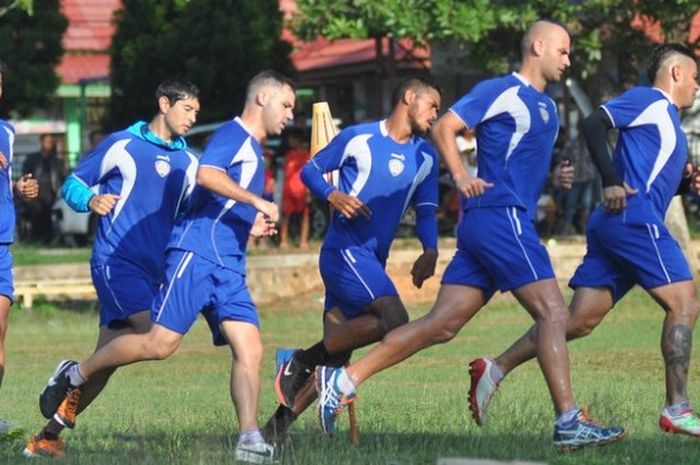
column 73, row 67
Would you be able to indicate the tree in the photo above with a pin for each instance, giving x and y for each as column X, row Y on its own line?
column 607, row 50
column 31, row 48
column 218, row 45
column 25, row 5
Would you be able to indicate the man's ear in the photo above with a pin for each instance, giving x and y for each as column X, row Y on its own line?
column 163, row 104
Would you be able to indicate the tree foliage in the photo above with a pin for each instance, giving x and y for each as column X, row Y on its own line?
column 24, row 5
column 216, row 44
column 30, row 46
column 605, row 44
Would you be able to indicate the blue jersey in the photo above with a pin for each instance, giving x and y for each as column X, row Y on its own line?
column 216, row 227
column 651, row 151
column 385, row 175
column 152, row 181
column 516, row 127
column 7, row 206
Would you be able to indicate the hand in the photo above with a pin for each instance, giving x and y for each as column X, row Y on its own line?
column 693, row 175
column 3, row 161
column 262, row 227
column 103, row 204
column 269, row 209
column 615, row 197
column 424, row 267
column 27, row 187
column 348, row 206
column 472, row 186
column 563, row 175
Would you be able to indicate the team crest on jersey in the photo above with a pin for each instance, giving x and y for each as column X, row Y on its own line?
column 396, row 165
column 162, row 165
column 543, row 112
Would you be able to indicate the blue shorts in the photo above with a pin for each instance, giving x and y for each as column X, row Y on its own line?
column 354, row 277
column 195, row 285
column 622, row 255
column 7, row 286
column 497, row 248
column 122, row 289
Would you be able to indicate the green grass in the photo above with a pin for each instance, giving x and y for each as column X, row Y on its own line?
column 27, row 254
column 178, row 411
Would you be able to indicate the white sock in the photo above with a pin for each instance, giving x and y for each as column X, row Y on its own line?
column 568, row 416
column 75, row 377
column 344, row 383
column 676, row 410
column 252, row 436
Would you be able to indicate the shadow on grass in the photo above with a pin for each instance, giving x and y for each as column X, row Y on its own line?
column 375, row 448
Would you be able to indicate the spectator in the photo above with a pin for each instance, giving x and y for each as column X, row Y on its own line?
column 48, row 171
column 295, row 197
column 580, row 197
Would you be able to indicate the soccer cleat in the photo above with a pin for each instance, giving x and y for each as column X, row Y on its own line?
column 481, row 389
column 56, row 389
column 291, row 376
column 68, row 409
column 582, row 431
column 41, row 447
column 331, row 400
column 8, row 430
column 257, row 452
column 688, row 423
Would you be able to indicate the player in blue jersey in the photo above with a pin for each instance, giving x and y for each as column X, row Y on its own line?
column 628, row 243
column 497, row 246
column 27, row 188
column 143, row 175
column 205, row 265
column 383, row 167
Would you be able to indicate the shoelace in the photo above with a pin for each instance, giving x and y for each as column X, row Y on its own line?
column 586, row 418
column 72, row 400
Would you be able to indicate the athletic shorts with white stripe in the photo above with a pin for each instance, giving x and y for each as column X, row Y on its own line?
column 497, row 249
column 122, row 290
column 354, row 277
column 195, row 285
column 622, row 255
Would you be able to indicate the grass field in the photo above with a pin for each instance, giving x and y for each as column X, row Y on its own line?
column 178, row 411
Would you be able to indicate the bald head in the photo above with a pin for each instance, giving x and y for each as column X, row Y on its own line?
column 543, row 30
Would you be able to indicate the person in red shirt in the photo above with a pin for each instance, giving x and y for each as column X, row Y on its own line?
column 295, row 196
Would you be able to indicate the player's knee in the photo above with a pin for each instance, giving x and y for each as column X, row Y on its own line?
column 393, row 319
column 159, row 349
column 251, row 357
column 577, row 329
column 441, row 331
column 556, row 316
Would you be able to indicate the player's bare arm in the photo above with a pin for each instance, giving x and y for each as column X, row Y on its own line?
column 444, row 134
column 220, row 183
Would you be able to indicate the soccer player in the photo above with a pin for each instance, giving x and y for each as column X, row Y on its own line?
column 205, row 265
column 628, row 243
column 144, row 174
column 516, row 125
column 382, row 167
column 27, row 188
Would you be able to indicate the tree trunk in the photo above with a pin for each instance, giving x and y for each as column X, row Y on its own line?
column 678, row 226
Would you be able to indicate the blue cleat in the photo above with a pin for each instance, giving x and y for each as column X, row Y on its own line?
column 331, row 400
column 582, row 431
column 283, row 355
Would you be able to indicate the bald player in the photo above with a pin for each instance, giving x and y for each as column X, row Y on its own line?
column 498, row 248
column 628, row 242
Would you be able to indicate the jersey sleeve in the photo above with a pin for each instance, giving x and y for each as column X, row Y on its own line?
column 426, row 192
column 472, row 107
column 329, row 159
column 95, row 166
column 218, row 153
column 624, row 109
